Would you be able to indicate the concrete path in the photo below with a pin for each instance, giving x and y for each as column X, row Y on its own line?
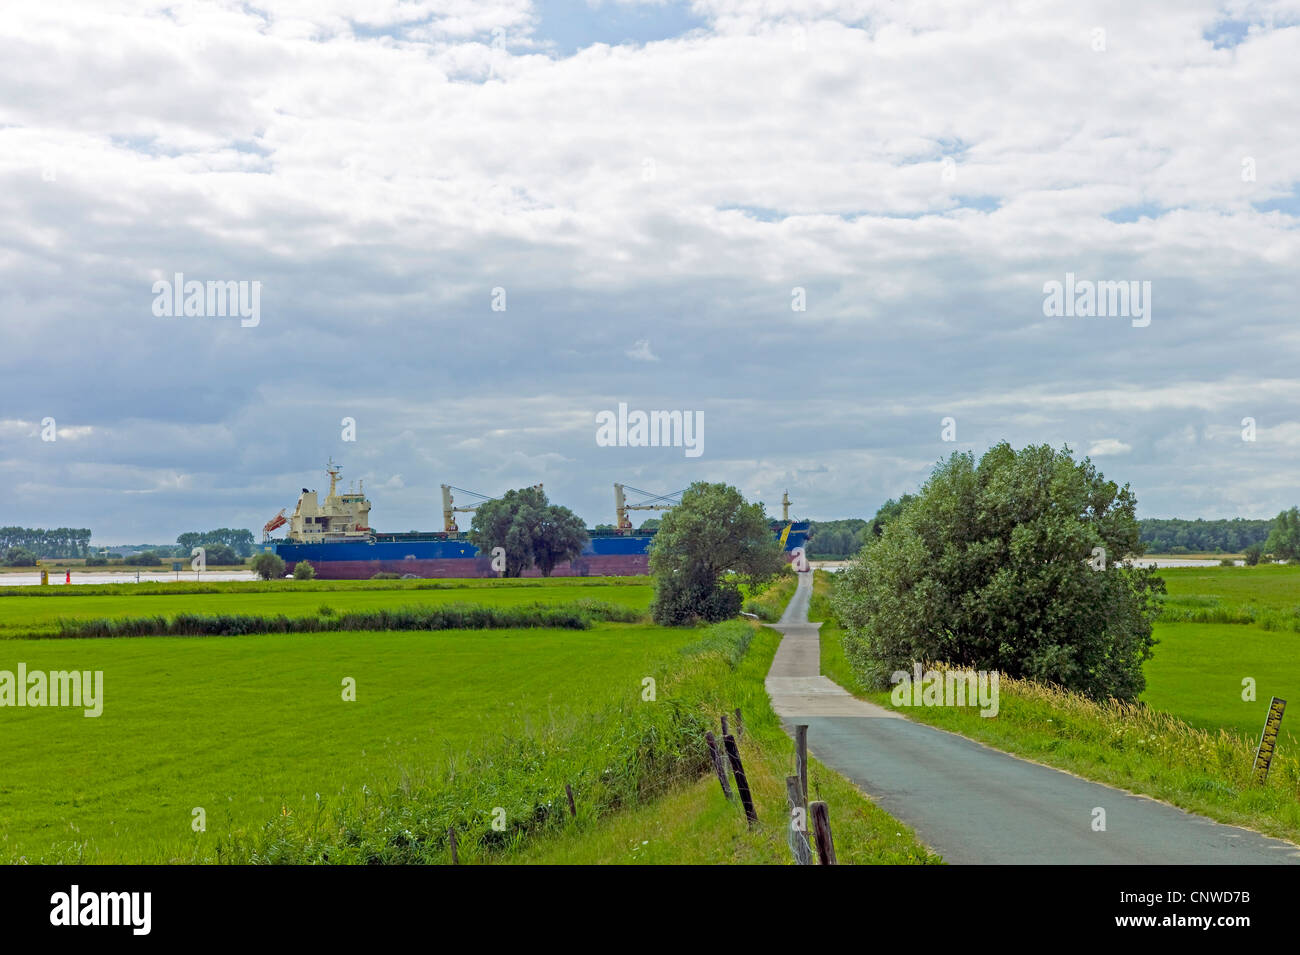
column 973, row 804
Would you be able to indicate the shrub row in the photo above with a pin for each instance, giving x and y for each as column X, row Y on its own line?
column 577, row 615
column 1266, row 618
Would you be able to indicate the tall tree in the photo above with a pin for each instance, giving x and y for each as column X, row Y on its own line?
column 713, row 531
column 532, row 531
column 1017, row 564
column 1284, row 539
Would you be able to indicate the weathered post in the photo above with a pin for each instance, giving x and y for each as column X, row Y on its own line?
column 801, row 759
column 821, row 820
column 717, row 764
column 573, row 810
column 798, row 834
column 742, row 784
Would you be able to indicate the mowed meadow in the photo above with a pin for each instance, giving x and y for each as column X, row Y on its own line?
column 1220, row 627
column 255, row 728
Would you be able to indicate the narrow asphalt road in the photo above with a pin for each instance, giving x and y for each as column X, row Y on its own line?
column 973, row 804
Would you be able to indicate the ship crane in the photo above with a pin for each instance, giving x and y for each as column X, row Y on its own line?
column 449, row 510
column 653, row 502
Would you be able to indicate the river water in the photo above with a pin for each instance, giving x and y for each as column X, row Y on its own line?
column 120, row 577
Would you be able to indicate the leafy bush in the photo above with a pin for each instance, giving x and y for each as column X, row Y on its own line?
column 268, row 566
column 1284, row 539
column 19, row 557
column 577, row 615
column 1254, row 553
column 769, row 603
column 218, row 554
column 706, row 547
column 303, row 571
column 989, row 568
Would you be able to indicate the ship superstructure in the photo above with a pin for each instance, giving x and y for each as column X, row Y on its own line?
column 340, row 517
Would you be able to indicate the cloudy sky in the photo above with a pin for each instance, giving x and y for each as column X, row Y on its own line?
column 651, row 190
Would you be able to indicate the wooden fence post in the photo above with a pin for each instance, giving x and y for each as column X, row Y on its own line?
column 725, row 731
column 821, row 820
column 801, row 759
column 740, row 725
column 798, row 835
column 742, row 784
column 717, row 764
column 573, row 810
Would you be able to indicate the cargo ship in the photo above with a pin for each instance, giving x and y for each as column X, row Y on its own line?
column 335, row 537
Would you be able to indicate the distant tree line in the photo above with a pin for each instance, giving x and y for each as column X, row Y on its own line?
column 237, row 539
column 837, row 540
column 51, row 542
column 840, row 540
column 1176, row 536
column 1279, row 537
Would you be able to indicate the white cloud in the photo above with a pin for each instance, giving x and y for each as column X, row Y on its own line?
column 1108, row 446
column 641, row 351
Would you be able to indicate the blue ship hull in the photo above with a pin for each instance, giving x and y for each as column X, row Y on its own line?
column 442, row 555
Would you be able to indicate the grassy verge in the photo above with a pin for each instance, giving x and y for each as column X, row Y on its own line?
column 768, row 604
column 1133, row 747
column 834, row 663
column 693, row 823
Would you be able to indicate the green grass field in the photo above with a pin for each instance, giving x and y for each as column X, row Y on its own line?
column 1197, row 674
column 24, row 613
column 1275, row 586
column 244, row 726
column 1197, row 669
column 446, row 725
